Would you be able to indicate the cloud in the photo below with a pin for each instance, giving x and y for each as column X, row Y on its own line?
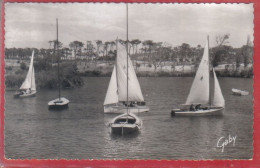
column 33, row 24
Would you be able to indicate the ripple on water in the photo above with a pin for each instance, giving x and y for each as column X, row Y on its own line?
column 81, row 132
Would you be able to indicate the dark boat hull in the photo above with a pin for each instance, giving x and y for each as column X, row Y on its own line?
column 123, row 130
column 58, row 107
column 58, row 104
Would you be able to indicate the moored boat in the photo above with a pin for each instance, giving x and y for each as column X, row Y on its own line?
column 125, row 124
column 239, row 92
column 28, row 88
column 128, row 90
column 200, row 101
column 115, row 101
column 60, row 102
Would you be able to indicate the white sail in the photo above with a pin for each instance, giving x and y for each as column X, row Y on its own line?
column 134, row 90
column 112, row 96
column 33, row 86
column 29, row 81
column 199, row 92
column 218, row 99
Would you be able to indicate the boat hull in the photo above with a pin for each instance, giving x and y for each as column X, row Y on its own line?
column 122, row 110
column 121, row 129
column 239, row 92
column 208, row 112
column 58, row 104
column 125, row 124
column 25, row 95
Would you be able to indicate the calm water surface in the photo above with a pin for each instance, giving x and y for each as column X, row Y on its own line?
column 81, row 132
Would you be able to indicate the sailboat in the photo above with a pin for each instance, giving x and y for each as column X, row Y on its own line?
column 28, row 88
column 115, row 101
column 200, row 101
column 128, row 90
column 60, row 102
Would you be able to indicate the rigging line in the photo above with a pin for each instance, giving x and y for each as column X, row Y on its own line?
column 209, row 72
column 57, row 45
column 127, row 55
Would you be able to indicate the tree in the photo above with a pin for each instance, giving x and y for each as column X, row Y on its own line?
column 162, row 51
column 221, row 40
column 106, row 46
column 99, row 44
column 50, row 42
column 246, row 51
column 148, row 45
column 221, row 53
column 66, row 51
column 23, row 66
column 76, row 46
column 136, row 42
column 57, row 43
column 238, row 61
column 185, row 52
column 112, row 44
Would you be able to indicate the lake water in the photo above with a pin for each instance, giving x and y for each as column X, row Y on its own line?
column 81, row 132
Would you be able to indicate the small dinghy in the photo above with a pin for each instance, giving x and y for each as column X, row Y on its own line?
column 129, row 90
column 125, row 124
column 199, row 101
column 60, row 102
column 28, row 88
column 239, row 92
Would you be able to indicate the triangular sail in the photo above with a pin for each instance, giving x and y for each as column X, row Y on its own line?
column 199, row 92
column 218, row 99
column 29, row 81
column 112, row 96
column 134, row 90
column 33, row 87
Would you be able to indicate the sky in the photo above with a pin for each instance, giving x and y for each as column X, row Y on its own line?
column 34, row 24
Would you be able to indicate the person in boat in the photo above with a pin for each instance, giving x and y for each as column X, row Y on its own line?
column 22, row 92
column 197, row 107
column 124, row 103
column 192, row 107
column 28, row 91
column 131, row 104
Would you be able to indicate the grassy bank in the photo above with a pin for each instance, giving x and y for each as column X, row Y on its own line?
column 224, row 73
column 45, row 76
column 71, row 74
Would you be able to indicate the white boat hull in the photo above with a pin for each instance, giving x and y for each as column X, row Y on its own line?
column 239, row 92
column 208, row 112
column 61, row 103
column 119, row 125
column 121, row 109
column 24, row 95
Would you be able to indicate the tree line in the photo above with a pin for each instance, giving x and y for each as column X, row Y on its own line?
column 147, row 51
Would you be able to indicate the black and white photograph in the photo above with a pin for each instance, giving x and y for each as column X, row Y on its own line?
column 117, row 81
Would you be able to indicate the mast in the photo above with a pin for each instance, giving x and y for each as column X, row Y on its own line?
column 116, row 67
column 32, row 70
column 127, row 55
column 57, row 45
column 209, row 72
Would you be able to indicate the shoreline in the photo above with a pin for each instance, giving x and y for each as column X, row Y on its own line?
column 13, row 88
column 72, row 73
